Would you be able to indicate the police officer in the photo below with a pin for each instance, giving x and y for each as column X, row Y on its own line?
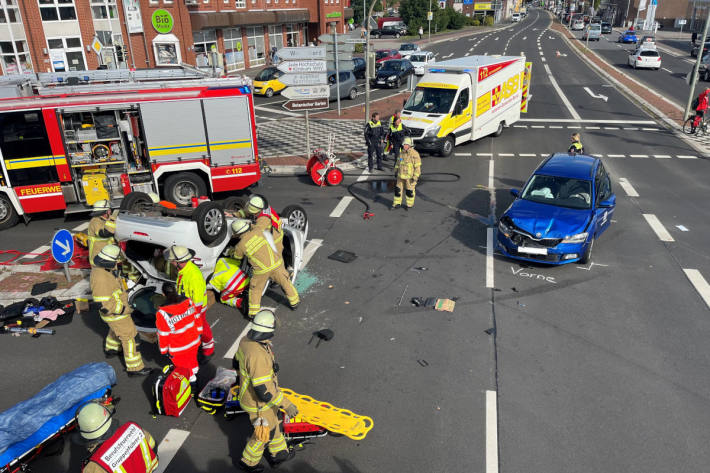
column 191, row 284
column 374, row 134
column 397, row 133
column 576, row 146
column 406, row 170
column 266, row 264
column 129, row 449
column 260, row 396
column 101, row 228
column 108, row 289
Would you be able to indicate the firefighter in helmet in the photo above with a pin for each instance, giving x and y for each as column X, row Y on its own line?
column 101, row 228
column 265, row 218
column 407, row 170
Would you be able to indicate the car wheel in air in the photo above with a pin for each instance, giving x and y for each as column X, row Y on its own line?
column 587, row 256
column 136, row 202
column 295, row 216
column 8, row 215
column 180, row 188
column 233, row 204
column 211, row 224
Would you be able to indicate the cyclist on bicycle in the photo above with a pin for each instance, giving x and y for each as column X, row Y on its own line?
column 700, row 108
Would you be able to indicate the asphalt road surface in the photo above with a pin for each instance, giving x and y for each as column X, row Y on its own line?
column 602, row 367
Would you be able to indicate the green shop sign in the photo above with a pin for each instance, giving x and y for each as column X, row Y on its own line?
column 335, row 14
column 162, row 21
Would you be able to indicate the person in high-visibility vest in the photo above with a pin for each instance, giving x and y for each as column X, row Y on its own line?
column 127, row 449
column 108, row 289
column 266, row 264
column 407, row 170
column 190, row 283
column 374, row 135
column 259, row 394
column 265, row 218
column 576, row 146
column 101, row 228
column 179, row 331
column 230, row 281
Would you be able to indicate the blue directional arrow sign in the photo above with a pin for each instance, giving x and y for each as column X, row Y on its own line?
column 62, row 246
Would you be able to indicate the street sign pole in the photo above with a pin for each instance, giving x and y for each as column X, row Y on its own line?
column 308, row 138
column 62, row 248
column 696, row 67
column 367, row 63
column 337, row 69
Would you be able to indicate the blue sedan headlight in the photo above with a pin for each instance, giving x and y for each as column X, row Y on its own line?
column 578, row 238
column 503, row 228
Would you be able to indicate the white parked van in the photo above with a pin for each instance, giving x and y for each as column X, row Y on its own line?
column 464, row 99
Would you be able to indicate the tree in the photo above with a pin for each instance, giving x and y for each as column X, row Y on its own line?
column 414, row 13
column 356, row 5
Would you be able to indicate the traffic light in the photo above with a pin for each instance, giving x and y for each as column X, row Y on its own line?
column 119, row 53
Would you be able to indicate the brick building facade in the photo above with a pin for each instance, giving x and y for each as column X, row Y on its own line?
column 57, row 35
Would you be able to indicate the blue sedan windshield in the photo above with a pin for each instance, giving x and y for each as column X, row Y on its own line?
column 560, row 191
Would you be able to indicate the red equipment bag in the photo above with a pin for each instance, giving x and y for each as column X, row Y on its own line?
column 171, row 391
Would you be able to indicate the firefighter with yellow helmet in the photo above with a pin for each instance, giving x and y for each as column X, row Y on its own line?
column 265, row 218
column 407, row 170
column 101, row 228
column 108, row 290
column 266, row 264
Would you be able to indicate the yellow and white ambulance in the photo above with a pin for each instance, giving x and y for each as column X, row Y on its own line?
column 465, row 99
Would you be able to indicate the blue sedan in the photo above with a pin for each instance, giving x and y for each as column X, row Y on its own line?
column 628, row 36
column 565, row 205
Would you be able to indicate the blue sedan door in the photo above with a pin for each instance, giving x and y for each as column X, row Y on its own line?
column 603, row 193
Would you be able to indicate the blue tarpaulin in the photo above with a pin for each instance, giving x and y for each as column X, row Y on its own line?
column 30, row 422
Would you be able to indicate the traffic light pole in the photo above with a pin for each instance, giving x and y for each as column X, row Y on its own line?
column 367, row 63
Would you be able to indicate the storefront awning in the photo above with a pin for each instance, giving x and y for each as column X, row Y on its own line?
column 229, row 19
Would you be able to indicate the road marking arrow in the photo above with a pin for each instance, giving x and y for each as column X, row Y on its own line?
column 64, row 246
column 600, row 96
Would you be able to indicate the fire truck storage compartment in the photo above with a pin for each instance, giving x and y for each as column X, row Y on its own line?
column 215, row 128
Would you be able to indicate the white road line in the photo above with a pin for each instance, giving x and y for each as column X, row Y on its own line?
column 467, row 54
column 628, row 188
column 592, row 127
column 658, row 227
column 470, row 50
column 543, row 59
column 562, row 95
column 630, row 129
column 527, row 155
column 537, row 126
column 363, row 177
column 700, row 284
column 611, row 128
column 555, row 126
column 36, row 251
column 491, row 432
column 661, row 156
column 310, row 250
column 682, row 228
column 276, row 110
column 639, row 155
column 489, row 231
column 484, row 154
column 650, row 129
column 462, row 154
column 683, row 156
column 520, row 126
column 342, row 205
column 81, row 228
column 169, row 446
column 598, row 155
column 667, row 70
column 506, row 154
column 235, row 346
column 590, row 120
column 616, row 155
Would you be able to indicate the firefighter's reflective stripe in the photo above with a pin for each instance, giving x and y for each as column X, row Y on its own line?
column 254, row 244
column 128, row 450
column 246, row 381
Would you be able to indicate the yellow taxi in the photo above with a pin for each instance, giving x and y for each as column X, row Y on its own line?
column 267, row 82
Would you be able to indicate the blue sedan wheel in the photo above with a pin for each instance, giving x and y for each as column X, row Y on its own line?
column 587, row 256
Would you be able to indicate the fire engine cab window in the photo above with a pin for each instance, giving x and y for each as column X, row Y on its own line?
column 24, row 144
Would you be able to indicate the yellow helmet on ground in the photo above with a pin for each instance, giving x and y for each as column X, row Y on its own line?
column 240, row 226
column 178, row 253
column 94, row 420
column 109, row 253
column 256, row 204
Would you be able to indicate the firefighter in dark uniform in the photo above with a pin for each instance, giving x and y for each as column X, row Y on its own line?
column 374, row 134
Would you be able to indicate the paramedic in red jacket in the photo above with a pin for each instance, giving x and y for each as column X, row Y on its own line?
column 701, row 109
column 179, row 330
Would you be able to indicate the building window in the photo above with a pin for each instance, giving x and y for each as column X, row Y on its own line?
column 205, row 42
column 291, row 35
column 57, row 10
column 104, row 9
column 276, row 37
column 15, row 60
column 166, row 48
column 233, row 49
column 240, row 3
column 66, row 54
column 255, row 45
column 9, row 12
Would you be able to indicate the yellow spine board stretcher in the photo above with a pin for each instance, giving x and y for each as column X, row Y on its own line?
column 323, row 414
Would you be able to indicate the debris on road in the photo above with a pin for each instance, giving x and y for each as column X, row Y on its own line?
column 445, row 305
column 343, row 256
column 323, row 334
column 42, row 287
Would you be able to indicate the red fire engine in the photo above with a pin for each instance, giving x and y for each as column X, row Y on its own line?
column 66, row 147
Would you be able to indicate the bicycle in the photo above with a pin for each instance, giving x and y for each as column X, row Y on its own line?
column 700, row 130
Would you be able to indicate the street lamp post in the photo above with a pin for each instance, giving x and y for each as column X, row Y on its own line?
column 367, row 61
column 696, row 66
column 429, row 20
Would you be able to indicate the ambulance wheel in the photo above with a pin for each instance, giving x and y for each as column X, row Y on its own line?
column 8, row 215
column 233, row 204
column 334, row 176
column 269, row 92
column 211, row 224
column 180, row 188
column 447, row 146
column 135, row 201
column 295, row 216
column 499, row 131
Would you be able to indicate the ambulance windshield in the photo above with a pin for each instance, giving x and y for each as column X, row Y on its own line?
column 430, row 100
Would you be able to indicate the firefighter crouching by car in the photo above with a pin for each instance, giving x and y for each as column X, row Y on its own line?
column 191, row 284
column 101, row 229
column 230, row 281
column 266, row 219
column 127, row 449
column 266, row 264
column 179, row 331
column 108, row 289
column 259, row 394
column 406, row 170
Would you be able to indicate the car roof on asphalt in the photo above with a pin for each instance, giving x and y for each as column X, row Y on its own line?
column 566, row 165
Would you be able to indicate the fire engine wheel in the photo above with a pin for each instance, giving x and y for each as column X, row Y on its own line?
column 211, row 224
column 180, row 188
column 334, row 176
column 8, row 216
column 135, row 201
column 317, row 173
column 296, row 217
